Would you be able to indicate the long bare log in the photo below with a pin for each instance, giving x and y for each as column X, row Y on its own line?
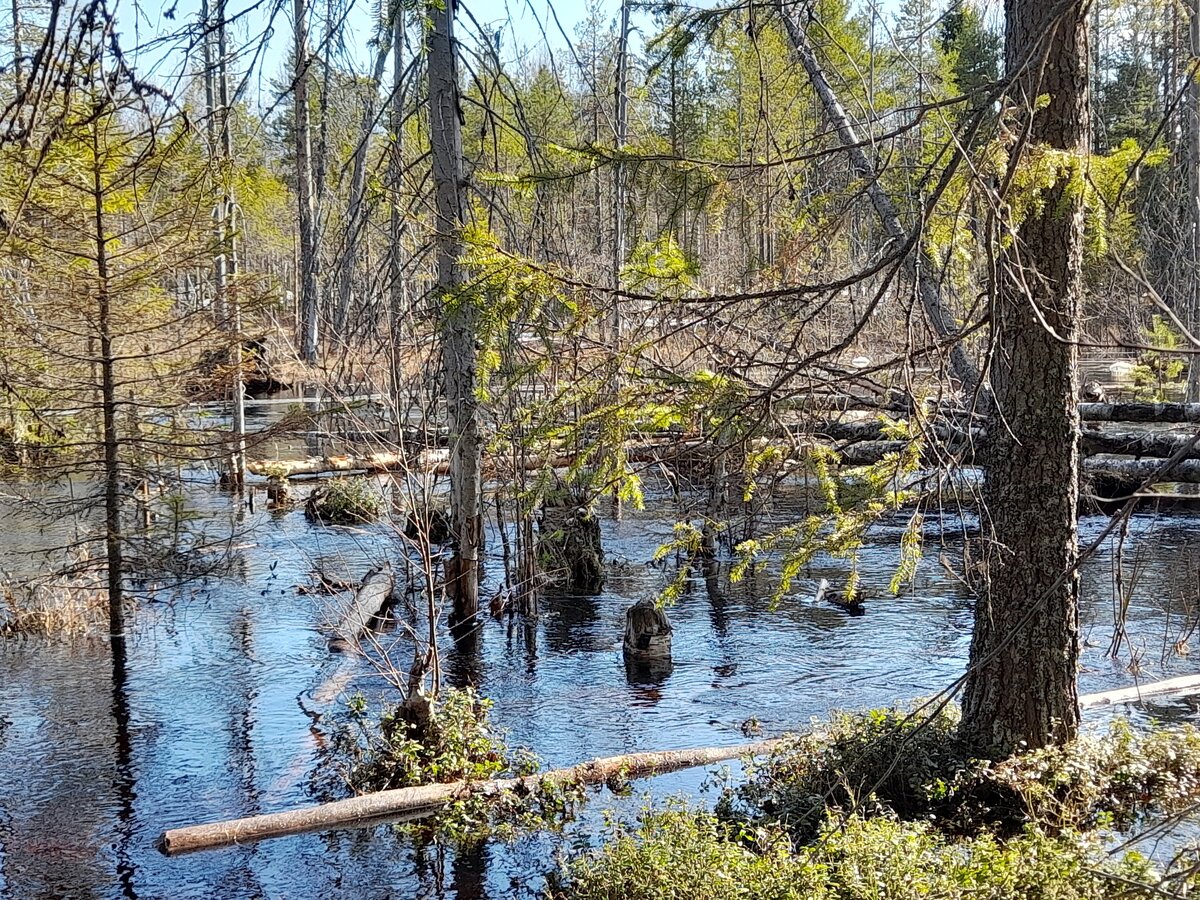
column 1152, row 444
column 370, row 601
column 1137, row 471
column 367, row 808
column 1184, row 686
column 1139, row 412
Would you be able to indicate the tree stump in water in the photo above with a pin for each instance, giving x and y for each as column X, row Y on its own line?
column 569, row 548
column 647, row 632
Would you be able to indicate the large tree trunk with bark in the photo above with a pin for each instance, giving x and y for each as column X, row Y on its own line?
column 459, row 315
column 1021, row 687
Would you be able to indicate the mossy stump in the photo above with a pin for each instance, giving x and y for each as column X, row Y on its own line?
column 569, row 545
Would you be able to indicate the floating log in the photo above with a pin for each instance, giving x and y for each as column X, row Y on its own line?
column 1184, row 686
column 1152, row 444
column 320, row 465
column 368, row 808
column 370, row 602
column 1136, row 472
column 437, row 461
column 1139, row 412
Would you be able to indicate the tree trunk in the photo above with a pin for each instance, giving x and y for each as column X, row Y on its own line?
column 459, row 315
column 918, row 264
column 355, row 218
column 1191, row 315
column 309, row 305
column 397, row 288
column 1024, row 653
column 228, row 260
column 114, row 561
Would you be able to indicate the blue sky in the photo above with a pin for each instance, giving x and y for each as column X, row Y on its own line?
column 261, row 33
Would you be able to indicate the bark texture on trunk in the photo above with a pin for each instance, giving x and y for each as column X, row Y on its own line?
column 459, row 317
column 1024, row 654
column 1192, row 312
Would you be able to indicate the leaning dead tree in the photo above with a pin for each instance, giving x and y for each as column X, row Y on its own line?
column 919, row 265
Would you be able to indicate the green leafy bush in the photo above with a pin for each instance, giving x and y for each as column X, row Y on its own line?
column 680, row 854
column 457, row 742
column 911, row 766
column 889, row 761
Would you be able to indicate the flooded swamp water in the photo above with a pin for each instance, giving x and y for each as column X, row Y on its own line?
column 208, row 722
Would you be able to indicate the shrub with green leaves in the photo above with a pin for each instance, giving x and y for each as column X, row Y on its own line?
column 681, row 854
column 911, row 766
column 457, row 742
column 384, row 750
column 891, row 762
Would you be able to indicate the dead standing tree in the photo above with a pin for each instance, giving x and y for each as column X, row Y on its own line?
column 919, row 264
column 458, row 318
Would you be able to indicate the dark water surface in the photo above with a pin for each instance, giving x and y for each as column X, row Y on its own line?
column 207, row 723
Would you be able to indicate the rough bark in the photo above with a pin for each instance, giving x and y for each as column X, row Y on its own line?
column 308, row 263
column 459, row 316
column 919, row 266
column 1021, row 686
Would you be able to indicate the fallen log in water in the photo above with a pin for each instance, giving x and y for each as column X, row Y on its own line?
column 370, row 601
column 394, row 803
column 1150, row 444
column 1183, row 686
column 1140, row 412
column 437, row 461
column 383, row 805
column 1135, row 472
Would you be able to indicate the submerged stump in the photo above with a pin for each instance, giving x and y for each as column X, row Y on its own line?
column 569, row 545
column 647, row 632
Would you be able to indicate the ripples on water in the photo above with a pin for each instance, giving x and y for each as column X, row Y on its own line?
column 214, row 728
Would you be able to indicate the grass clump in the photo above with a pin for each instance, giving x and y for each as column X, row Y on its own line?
column 344, row 501
column 61, row 608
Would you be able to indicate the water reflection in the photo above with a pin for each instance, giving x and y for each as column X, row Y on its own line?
column 647, row 678
column 200, row 720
